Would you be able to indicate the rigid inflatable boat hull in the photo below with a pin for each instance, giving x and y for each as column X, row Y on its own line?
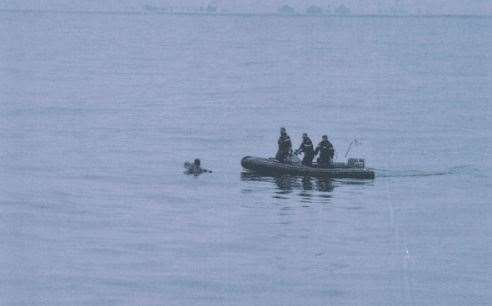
column 273, row 167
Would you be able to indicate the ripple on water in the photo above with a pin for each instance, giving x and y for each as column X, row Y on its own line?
column 286, row 184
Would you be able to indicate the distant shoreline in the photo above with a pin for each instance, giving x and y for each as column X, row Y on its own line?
column 237, row 14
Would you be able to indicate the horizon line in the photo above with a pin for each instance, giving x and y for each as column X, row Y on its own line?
column 239, row 14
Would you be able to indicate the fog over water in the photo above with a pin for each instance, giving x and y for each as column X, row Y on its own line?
column 470, row 7
column 99, row 111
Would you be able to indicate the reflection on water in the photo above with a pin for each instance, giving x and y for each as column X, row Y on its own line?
column 307, row 183
column 287, row 184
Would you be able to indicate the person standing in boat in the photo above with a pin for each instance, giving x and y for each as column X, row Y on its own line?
column 284, row 146
column 308, row 149
column 326, row 152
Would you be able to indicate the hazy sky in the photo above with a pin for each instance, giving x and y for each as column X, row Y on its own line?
column 357, row 6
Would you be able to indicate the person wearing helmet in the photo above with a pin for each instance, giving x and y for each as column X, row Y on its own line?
column 308, row 149
column 284, row 146
column 326, row 152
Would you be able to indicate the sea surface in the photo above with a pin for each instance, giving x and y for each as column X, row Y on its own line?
column 99, row 111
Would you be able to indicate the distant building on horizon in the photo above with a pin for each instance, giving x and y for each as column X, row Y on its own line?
column 211, row 8
column 342, row 10
column 314, row 10
column 286, row 10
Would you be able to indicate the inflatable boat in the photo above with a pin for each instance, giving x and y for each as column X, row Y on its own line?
column 354, row 168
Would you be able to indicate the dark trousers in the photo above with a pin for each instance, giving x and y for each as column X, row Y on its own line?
column 307, row 160
column 324, row 163
column 281, row 155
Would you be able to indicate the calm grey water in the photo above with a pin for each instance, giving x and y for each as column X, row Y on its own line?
column 99, row 112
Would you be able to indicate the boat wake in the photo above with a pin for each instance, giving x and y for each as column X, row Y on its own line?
column 458, row 170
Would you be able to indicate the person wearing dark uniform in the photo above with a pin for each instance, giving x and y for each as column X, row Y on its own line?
column 284, row 146
column 308, row 149
column 326, row 152
column 195, row 168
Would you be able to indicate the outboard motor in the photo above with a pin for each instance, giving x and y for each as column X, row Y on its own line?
column 356, row 163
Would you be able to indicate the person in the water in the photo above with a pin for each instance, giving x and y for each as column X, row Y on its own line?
column 195, row 168
column 326, row 152
column 308, row 149
column 284, row 146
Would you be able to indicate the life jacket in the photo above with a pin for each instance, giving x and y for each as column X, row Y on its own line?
column 307, row 146
column 284, row 143
column 326, row 150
